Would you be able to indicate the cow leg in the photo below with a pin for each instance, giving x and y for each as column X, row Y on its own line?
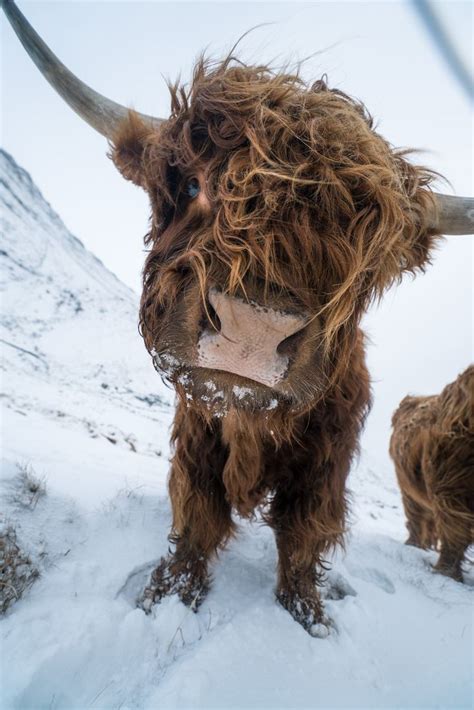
column 309, row 507
column 201, row 515
column 450, row 559
column 455, row 534
column 309, row 521
column 297, row 586
column 452, row 491
column 420, row 524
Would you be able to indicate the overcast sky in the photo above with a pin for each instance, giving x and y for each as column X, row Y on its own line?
column 377, row 51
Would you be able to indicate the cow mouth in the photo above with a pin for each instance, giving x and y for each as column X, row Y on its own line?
column 217, row 390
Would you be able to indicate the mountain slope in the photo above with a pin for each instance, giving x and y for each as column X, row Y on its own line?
column 65, row 323
column 83, row 408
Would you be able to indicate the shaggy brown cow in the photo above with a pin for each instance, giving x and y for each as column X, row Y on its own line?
column 432, row 446
column 278, row 215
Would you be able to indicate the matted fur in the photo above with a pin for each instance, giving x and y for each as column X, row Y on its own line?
column 432, row 446
column 303, row 208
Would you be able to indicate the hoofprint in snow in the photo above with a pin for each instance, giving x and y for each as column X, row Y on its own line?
column 84, row 409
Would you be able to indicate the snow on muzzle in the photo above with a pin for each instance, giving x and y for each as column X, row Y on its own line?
column 248, row 339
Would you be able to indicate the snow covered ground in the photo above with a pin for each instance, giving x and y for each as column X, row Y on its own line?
column 84, row 409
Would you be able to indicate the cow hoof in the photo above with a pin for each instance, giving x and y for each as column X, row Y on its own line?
column 448, row 571
column 308, row 612
column 414, row 542
column 191, row 585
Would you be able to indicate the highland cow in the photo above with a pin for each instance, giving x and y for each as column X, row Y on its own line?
column 278, row 215
column 432, row 447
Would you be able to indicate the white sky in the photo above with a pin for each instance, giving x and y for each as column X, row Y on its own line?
column 377, row 51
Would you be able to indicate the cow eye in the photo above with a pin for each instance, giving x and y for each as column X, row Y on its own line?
column 192, row 188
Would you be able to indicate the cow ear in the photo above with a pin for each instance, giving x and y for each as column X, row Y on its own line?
column 128, row 148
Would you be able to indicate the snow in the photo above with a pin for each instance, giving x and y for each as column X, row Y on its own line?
column 84, row 407
column 242, row 392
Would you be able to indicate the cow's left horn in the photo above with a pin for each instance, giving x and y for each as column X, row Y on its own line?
column 453, row 215
column 101, row 113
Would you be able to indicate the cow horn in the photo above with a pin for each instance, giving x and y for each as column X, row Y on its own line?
column 453, row 215
column 101, row 113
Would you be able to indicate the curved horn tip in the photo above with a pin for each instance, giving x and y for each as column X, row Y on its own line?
column 454, row 215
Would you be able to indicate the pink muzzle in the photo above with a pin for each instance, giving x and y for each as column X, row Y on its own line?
column 248, row 340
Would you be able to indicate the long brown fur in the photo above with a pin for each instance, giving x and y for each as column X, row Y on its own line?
column 432, row 446
column 303, row 207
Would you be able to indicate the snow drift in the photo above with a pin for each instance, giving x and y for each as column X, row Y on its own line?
column 84, row 410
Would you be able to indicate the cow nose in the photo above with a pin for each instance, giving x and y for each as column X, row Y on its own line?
column 250, row 341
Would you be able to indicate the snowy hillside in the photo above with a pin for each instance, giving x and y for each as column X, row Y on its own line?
column 84, row 411
column 72, row 354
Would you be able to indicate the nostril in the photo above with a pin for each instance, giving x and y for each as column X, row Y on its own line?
column 210, row 318
column 289, row 346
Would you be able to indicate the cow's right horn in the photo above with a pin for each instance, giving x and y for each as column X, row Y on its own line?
column 101, row 113
column 453, row 215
